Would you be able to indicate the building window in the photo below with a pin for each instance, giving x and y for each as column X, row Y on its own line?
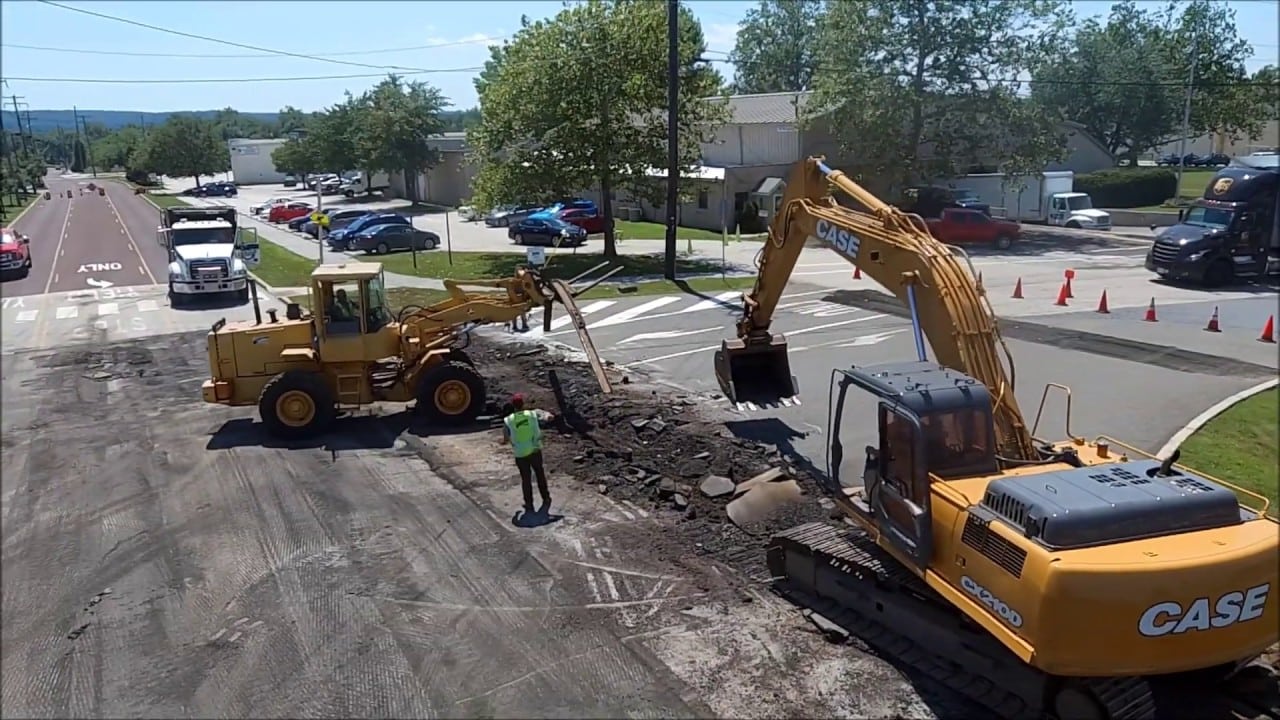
column 702, row 200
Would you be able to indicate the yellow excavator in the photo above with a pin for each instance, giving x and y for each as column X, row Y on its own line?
column 1072, row 579
column 352, row 350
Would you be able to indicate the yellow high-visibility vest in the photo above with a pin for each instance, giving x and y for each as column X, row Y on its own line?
column 526, row 435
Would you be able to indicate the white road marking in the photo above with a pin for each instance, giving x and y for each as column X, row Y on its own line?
column 67, row 312
column 633, row 312
column 665, row 334
column 58, row 250
column 596, row 306
column 826, row 291
column 611, row 587
column 790, row 334
column 26, row 316
column 595, row 589
column 108, row 309
column 148, row 305
column 721, row 300
column 124, row 229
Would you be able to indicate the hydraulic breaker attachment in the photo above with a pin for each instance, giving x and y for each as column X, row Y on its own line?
column 755, row 371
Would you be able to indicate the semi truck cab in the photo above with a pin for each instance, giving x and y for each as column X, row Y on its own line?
column 208, row 253
column 1229, row 233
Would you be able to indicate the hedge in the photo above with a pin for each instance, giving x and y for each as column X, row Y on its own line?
column 1128, row 187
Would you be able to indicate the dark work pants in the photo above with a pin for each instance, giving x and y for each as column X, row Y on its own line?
column 529, row 466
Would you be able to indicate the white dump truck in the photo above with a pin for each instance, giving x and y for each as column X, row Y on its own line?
column 1045, row 198
column 208, row 253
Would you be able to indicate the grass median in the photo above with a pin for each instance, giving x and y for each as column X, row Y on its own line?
column 9, row 209
column 1239, row 446
column 473, row 265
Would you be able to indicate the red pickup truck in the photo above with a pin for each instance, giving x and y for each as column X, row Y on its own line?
column 968, row 227
column 15, row 253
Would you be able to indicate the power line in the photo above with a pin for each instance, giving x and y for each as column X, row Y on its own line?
column 212, row 81
column 230, row 56
column 205, row 38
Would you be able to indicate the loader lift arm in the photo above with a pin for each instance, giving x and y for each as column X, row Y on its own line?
column 897, row 251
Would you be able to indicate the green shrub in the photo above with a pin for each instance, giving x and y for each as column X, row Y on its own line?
column 1128, row 187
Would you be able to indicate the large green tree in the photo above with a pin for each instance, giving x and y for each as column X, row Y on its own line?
column 915, row 90
column 579, row 101
column 777, row 47
column 184, row 146
column 393, row 126
column 1126, row 79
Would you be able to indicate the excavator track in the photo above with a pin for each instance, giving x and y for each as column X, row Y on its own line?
column 841, row 574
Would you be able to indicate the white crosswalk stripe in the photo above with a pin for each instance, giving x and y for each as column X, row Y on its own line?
column 26, row 316
column 632, row 313
column 108, row 309
column 594, row 307
column 67, row 312
column 724, row 299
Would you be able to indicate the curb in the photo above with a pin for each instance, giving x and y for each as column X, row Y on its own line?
column 1217, row 409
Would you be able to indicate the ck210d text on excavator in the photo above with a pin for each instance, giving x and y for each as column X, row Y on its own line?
column 1074, row 579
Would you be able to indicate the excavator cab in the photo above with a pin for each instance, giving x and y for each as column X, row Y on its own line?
column 756, row 370
column 933, row 422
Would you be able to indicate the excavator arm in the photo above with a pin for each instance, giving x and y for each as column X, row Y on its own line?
column 896, row 250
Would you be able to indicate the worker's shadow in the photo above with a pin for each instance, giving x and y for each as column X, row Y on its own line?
column 535, row 519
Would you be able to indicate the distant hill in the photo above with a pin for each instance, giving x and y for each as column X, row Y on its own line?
column 47, row 120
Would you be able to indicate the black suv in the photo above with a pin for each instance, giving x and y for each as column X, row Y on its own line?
column 214, row 189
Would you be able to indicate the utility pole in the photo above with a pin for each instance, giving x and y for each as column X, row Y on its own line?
column 17, row 115
column 1186, row 117
column 673, row 138
column 88, row 152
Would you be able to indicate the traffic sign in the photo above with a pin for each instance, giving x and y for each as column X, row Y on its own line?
column 320, row 219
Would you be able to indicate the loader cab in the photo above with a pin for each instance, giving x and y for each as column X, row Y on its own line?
column 351, row 316
column 934, row 424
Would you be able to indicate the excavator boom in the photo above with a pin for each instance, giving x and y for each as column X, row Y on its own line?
column 897, row 251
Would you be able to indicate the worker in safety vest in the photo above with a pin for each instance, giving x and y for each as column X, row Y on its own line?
column 522, row 430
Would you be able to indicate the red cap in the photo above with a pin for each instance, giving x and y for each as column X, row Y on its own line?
column 517, row 398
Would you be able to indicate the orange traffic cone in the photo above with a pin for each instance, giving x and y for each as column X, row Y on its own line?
column 1062, row 296
column 857, row 273
column 1213, row 322
column 1151, row 312
column 1269, row 330
column 1067, row 287
column 1102, row 304
column 1017, row 290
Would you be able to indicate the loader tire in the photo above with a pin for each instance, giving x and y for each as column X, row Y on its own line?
column 452, row 393
column 296, row 404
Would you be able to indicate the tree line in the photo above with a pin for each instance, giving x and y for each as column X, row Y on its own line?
column 954, row 75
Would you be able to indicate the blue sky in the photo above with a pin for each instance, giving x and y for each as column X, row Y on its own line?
column 336, row 29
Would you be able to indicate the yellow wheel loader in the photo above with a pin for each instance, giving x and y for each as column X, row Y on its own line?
column 352, row 349
column 1075, row 578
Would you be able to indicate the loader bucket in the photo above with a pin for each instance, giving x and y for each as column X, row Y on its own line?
column 757, row 372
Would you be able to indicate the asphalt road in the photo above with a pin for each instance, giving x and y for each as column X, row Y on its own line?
column 1138, row 391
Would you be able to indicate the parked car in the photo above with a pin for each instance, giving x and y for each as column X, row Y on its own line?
column 338, row 219
column 554, row 209
column 261, row 208
column 589, row 220
column 466, row 213
column 382, row 239
column 214, row 189
column 299, row 222
column 546, row 231
column 289, row 211
column 332, row 186
column 315, row 180
column 290, row 181
column 960, row 226
column 506, row 215
column 338, row 238
column 1214, row 160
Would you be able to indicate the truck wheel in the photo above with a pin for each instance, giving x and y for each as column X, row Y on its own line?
column 1003, row 242
column 175, row 299
column 296, row 404
column 348, row 194
column 242, row 296
column 1218, row 273
column 1073, row 225
column 451, row 393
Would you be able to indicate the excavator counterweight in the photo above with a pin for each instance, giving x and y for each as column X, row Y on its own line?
column 757, row 370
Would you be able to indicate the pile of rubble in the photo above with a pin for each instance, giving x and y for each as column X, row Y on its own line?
column 658, row 449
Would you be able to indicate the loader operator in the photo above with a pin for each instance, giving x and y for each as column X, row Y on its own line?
column 522, row 430
column 342, row 308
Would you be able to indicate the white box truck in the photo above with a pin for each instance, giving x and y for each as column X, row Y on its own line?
column 364, row 183
column 1045, row 198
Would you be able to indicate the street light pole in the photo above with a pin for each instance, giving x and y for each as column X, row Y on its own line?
column 1186, row 118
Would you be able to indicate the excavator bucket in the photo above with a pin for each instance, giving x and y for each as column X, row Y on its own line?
column 756, row 372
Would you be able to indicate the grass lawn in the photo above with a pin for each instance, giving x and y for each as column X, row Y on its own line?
column 1240, row 445
column 479, row 265
column 281, row 268
column 643, row 230
column 400, row 297
column 8, row 211
column 167, row 201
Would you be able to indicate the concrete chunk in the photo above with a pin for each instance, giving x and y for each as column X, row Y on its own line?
column 762, row 501
column 768, row 476
column 716, row 486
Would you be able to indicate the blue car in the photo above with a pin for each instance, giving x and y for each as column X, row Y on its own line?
column 338, row 219
column 338, row 239
column 552, row 211
column 297, row 223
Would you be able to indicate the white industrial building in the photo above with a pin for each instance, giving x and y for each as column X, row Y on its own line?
column 251, row 162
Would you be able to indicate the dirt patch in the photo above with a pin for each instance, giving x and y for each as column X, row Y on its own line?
column 652, row 446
